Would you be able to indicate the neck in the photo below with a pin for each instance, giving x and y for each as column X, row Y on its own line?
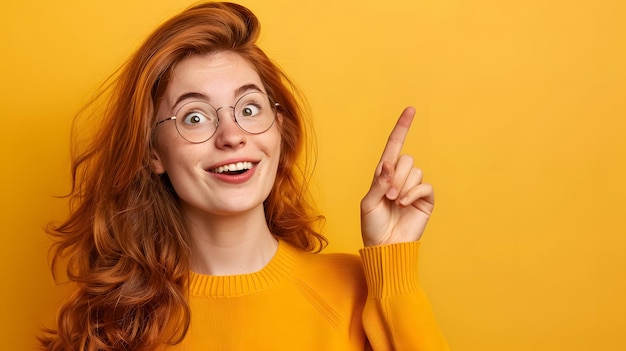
column 230, row 245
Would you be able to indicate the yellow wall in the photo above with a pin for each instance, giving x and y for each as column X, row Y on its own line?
column 521, row 108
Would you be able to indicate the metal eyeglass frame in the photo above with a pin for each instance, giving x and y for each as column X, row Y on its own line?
column 274, row 105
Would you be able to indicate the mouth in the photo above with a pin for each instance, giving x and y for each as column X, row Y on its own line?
column 233, row 168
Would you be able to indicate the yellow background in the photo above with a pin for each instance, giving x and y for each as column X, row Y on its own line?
column 521, row 108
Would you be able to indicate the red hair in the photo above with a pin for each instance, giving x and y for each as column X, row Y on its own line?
column 126, row 247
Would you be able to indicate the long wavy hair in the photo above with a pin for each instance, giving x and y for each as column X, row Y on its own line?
column 125, row 245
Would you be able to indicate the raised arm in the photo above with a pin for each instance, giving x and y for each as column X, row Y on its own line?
column 395, row 210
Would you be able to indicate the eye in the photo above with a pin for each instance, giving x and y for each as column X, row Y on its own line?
column 250, row 110
column 194, row 118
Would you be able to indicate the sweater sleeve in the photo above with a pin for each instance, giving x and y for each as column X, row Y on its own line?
column 397, row 314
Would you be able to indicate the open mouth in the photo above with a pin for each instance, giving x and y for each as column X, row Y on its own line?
column 233, row 168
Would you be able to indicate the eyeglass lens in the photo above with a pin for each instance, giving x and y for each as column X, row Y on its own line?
column 197, row 121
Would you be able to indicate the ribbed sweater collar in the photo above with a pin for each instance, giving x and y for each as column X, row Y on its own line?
column 242, row 284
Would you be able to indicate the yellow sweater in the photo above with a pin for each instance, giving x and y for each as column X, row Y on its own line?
column 302, row 301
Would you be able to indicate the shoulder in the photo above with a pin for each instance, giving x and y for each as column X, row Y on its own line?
column 336, row 271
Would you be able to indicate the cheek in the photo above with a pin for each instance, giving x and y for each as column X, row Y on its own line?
column 168, row 147
column 283, row 150
column 278, row 146
column 177, row 157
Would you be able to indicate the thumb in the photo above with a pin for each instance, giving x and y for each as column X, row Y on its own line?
column 381, row 187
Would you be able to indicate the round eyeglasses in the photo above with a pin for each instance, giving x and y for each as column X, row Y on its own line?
column 197, row 121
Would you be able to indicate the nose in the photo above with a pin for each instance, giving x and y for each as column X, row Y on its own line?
column 228, row 133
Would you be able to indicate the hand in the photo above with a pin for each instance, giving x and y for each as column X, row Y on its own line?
column 398, row 205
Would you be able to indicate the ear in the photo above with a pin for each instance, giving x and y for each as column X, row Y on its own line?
column 155, row 162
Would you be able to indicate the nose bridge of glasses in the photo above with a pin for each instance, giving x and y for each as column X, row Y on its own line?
column 227, row 107
column 233, row 118
column 217, row 110
column 234, row 114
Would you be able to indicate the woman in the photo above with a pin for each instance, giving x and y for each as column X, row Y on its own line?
column 190, row 226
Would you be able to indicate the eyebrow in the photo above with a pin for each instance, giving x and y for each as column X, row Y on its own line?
column 200, row 96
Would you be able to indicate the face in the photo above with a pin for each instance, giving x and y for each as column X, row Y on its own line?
column 199, row 172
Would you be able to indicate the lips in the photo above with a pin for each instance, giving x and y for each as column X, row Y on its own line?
column 233, row 168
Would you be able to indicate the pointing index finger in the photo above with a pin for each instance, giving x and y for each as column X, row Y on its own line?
column 397, row 137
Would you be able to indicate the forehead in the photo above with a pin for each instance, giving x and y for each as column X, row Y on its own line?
column 216, row 75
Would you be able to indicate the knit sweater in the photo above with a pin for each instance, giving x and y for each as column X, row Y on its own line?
column 303, row 301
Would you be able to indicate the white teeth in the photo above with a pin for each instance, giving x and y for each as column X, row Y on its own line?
column 239, row 166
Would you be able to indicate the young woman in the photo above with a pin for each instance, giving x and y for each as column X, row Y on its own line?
column 190, row 226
